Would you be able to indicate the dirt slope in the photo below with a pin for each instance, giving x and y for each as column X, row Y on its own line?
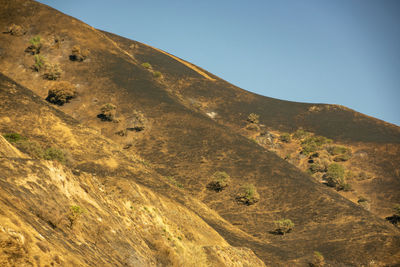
column 191, row 130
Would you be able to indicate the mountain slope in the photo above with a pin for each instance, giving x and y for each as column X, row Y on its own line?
column 193, row 129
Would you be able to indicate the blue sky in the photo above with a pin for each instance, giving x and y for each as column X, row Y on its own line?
column 320, row 51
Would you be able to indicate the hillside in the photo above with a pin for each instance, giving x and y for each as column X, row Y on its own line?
column 137, row 145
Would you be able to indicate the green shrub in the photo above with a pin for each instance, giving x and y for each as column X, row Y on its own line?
column 248, row 194
column 301, row 134
column 74, row 213
column 40, row 61
column 335, row 177
column 253, row 118
column 52, row 71
column 313, row 143
column 220, row 180
column 157, row 74
column 61, row 93
column 35, row 45
column 285, row 137
column 108, row 112
column 146, row 65
column 283, row 226
column 53, row 153
column 13, row 137
column 318, row 260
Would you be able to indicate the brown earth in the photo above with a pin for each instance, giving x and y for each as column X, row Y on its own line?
column 144, row 191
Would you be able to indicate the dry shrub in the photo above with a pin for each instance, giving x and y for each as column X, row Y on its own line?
column 248, row 195
column 15, row 30
column 220, row 180
column 78, row 54
column 52, row 71
column 108, row 112
column 61, row 93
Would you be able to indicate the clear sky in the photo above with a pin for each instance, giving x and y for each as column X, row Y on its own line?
column 321, row 51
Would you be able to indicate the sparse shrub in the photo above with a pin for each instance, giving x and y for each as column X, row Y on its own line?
column 52, row 71
column 318, row 260
column 40, row 61
column 13, row 137
column 35, row 45
column 220, row 180
column 248, row 194
column 61, row 93
column 335, row 177
column 78, row 54
column 285, row 137
column 137, row 122
column 74, row 213
column 146, row 65
column 253, row 118
column 157, row 74
column 108, row 112
column 15, row 30
column 283, row 226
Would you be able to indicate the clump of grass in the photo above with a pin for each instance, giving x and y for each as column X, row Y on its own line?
column 283, row 226
column 220, row 180
column 285, row 137
column 248, row 195
column 74, row 213
column 146, row 65
column 34, row 149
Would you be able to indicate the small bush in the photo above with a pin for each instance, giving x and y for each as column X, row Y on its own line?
column 253, row 118
column 15, row 30
column 283, row 226
column 285, row 137
column 220, row 180
column 52, row 71
column 74, row 213
column 157, row 74
column 13, row 137
column 61, row 93
column 40, row 61
column 317, row 167
column 301, row 134
column 35, row 45
column 248, row 195
column 137, row 122
column 318, row 260
column 335, row 177
column 146, row 65
column 53, row 153
column 108, row 112
column 78, row 54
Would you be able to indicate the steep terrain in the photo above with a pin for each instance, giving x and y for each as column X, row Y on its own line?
column 144, row 167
